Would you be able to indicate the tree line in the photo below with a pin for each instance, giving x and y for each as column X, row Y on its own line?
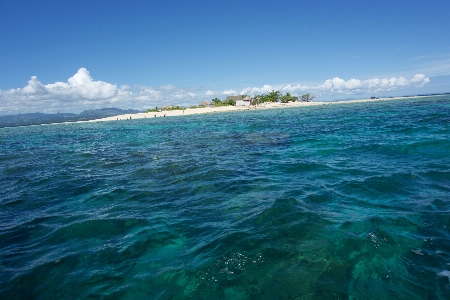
column 273, row 96
column 277, row 96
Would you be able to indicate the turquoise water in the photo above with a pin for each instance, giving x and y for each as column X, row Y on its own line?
column 327, row 202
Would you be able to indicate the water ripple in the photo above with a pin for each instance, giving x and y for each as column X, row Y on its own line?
column 324, row 202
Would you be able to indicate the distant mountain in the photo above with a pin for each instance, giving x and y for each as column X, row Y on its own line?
column 105, row 112
column 41, row 118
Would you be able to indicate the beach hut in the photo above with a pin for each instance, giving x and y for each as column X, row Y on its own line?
column 205, row 104
column 240, row 100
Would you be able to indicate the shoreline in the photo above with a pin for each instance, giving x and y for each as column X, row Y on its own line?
column 206, row 110
column 221, row 109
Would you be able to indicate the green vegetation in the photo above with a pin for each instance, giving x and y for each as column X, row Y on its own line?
column 273, row 96
column 217, row 102
column 165, row 108
column 288, row 98
column 171, row 107
column 307, row 98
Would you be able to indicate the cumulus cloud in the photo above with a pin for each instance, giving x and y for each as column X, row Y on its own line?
column 420, row 79
column 229, row 92
column 340, row 86
column 353, row 84
column 81, row 85
column 34, row 87
column 82, row 92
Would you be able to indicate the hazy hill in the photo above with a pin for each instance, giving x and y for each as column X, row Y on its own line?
column 41, row 118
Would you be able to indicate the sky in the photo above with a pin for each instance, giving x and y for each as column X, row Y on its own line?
column 69, row 56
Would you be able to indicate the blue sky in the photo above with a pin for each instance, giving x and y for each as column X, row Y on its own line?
column 68, row 56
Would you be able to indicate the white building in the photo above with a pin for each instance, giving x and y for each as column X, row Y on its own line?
column 240, row 100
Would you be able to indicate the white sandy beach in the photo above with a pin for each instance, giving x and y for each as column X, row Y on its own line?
column 205, row 110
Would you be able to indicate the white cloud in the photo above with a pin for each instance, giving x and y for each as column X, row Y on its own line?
column 34, row 87
column 287, row 88
column 398, row 82
column 263, row 90
column 340, row 86
column 420, row 79
column 353, row 84
column 229, row 92
column 81, row 85
column 338, row 83
column 82, row 92
column 167, row 87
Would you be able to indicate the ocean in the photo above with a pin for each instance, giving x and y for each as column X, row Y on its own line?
column 342, row 201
